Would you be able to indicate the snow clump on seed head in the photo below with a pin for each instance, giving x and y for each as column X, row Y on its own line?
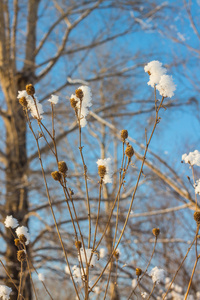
column 166, row 86
column 155, row 71
column 5, row 292
column 107, row 164
column 157, row 275
column 11, row 222
column 193, row 158
column 23, row 231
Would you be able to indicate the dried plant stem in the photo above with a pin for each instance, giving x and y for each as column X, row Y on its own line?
column 34, row 290
column 194, row 184
column 152, row 291
column 135, row 190
column 7, row 273
column 140, row 278
column 85, row 173
column 20, row 281
column 179, row 268
column 195, row 265
column 108, row 280
column 98, row 212
column 50, row 204
column 112, row 209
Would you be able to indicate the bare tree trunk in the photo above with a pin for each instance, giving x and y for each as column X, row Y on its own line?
column 16, row 178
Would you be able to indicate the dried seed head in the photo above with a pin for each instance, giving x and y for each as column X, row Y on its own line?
column 138, row 271
column 116, row 254
column 21, row 255
column 22, row 239
column 79, row 94
column 124, row 134
column 17, row 242
column 129, row 151
column 23, row 102
column 62, row 167
column 73, row 102
column 56, row 175
column 149, row 73
column 30, row 89
column 197, row 217
column 156, row 231
column 102, row 171
column 78, row 244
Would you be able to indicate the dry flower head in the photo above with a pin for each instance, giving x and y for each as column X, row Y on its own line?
column 101, row 171
column 23, row 102
column 197, row 217
column 56, row 175
column 156, row 231
column 17, row 242
column 129, row 151
column 79, row 94
column 21, row 255
column 22, row 238
column 78, row 244
column 62, row 167
column 138, row 271
column 30, row 89
column 124, row 134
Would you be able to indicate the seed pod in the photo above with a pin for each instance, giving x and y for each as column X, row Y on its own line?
column 138, row 271
column 102, row 171
column 21, row 255
column 62, row 167
column 78, row 244
column 124, row 134
column 197, row 217
column 30, row 89
column 79, row 94
column 23, row 102
column 56, row 175
column 156, row 231
column 129, row 151
column 116, row 254
column 73, row 102
column 22, row 238
column 17, row 242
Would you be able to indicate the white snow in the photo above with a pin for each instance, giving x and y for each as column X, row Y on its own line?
column 11, row 222
column 54, row 99
column 157, row 274
column 193, row 158
column 23, row 231
column 5, row 292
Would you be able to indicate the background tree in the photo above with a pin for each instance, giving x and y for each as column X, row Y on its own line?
column 58, row 55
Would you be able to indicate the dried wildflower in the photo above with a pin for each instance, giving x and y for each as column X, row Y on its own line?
column 193, row 158
column 197, row 217
column 56, row 175
column 62, row 167
column 107, row 178
column 21, row 255
column 73, row 102
column 82, row 103
column 116, row 254
column 78, row 244
column 124, row 134
column 54, row 99
column 102, row 171
column 129, row 151
column 138, row 271
column 22, row 238
column 23, row 102
column 79, row 93
column 156, row 231
column 23, row 231
column 30, row 89
column 17, row 242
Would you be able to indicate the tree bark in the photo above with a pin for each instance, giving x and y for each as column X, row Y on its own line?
column 16, row 199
